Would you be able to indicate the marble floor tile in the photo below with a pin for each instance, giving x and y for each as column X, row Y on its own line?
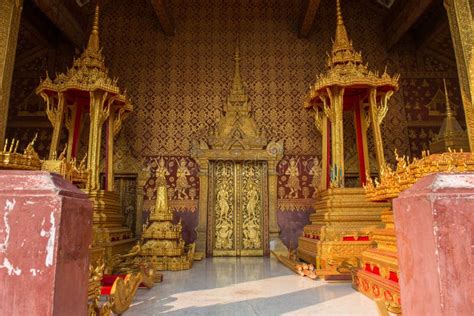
column 247, row 286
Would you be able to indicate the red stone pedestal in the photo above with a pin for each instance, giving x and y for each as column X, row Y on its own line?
column 45, row 231
column 434, row 221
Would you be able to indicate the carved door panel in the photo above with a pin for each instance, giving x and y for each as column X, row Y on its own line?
column 238, row 217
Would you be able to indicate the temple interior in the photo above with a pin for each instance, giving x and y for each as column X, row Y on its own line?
column 238, row 157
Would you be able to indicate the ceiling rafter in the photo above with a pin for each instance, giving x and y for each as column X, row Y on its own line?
column 63, row 19
column 404, row 19
column 310, row 9
column 164, row 17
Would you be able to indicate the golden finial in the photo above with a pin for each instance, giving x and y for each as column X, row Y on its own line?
column 237, row 92
column 342, row 50
column 237, row 52
column 16, row 146
column 339, row 13
column 95, row 26
column 94, row 37
column 12, row 145
column 449, row 113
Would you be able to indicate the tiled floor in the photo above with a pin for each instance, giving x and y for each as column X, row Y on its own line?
column 247, row 286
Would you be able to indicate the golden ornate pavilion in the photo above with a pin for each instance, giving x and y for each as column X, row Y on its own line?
column 343, row 221
column 86, row 88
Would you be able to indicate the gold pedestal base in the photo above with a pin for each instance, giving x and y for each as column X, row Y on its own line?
column 340, row 230
column 379, row 274
column 110, row 232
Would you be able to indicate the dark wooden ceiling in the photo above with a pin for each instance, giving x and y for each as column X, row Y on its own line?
column 423, row 20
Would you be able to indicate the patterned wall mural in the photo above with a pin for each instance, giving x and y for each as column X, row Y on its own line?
column 298, row 181
column 179, row 84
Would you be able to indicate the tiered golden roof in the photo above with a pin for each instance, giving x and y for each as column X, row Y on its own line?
column 11, row 159
column 345, row 67
column 393, row 182
column 237, row 124
column 88, row 72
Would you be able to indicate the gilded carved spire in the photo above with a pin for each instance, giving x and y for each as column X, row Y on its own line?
column 449, row 112
column 93, row 43
column 341, row 42
column 451, row 135
column 236, row 127
column 237, row 92
column 450, row 125
column 342, row 49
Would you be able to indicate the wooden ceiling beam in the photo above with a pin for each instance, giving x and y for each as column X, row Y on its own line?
column 164, row 17
column 38, row 27
column 63, row 19
column 431, row 29
column 404, row 20
column 309, row 13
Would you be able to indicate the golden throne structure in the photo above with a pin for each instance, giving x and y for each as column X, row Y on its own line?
column 86, row 89
column 341, row 227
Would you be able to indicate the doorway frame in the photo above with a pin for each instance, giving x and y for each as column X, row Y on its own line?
column 204, row 155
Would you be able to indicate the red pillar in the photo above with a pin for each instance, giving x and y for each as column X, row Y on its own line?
column 45, row 231
column 434, row 222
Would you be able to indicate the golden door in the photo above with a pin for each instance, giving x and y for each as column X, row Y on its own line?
column 238, row 216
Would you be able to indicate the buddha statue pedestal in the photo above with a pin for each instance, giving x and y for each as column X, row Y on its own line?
column 110, row 232
column 340, row 230
column 342, row 226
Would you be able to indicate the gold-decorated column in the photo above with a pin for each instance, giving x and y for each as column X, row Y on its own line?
column 109, row 162
column 462, row 34
column 336, row 95
column 272, row 199
column 203, row 192
column 10, row 12
column 99, row 112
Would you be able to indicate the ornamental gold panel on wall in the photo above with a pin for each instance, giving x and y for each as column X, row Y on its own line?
column 238, row 217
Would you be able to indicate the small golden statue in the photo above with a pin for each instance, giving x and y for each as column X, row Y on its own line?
column 161, row 172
